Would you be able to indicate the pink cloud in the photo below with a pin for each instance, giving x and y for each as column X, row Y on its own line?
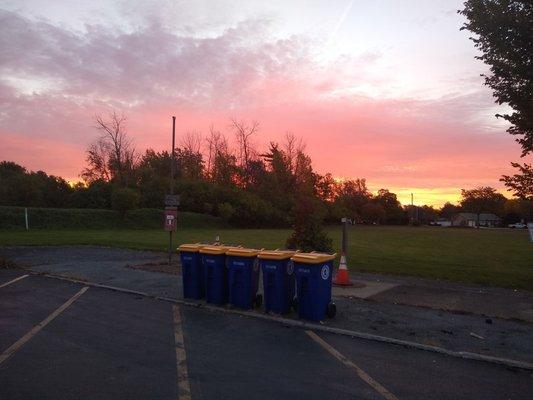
column 50, row 90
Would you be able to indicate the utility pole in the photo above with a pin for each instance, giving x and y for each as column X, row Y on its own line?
column 173, row 155
column 172, row 164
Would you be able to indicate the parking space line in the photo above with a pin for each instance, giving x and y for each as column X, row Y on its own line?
column 184, row 387
column 13, row 281
column 32, row 332
column 361, row 373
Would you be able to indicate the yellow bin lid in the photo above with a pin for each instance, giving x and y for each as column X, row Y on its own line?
column 190, row 247
column 211, row 249
column 276, row 254
column 313, row 258
column 242, row 252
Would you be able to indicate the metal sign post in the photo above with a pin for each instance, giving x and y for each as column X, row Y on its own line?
column 343, row 278
column 171, row 219
column 344, row 235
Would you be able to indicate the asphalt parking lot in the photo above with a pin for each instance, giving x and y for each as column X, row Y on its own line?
column 62, row 340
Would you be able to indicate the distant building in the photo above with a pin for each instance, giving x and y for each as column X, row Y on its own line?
column 443, row 222
column 471, row 220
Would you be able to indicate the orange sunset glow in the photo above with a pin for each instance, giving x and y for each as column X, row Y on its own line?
column 388, row 91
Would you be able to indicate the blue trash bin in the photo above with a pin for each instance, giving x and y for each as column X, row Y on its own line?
column 243, row 278
column 278, row 280
column 215, row 274
column 313, row 285
column 192, row 271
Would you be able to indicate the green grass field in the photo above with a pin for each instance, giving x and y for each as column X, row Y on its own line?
column 498, row 257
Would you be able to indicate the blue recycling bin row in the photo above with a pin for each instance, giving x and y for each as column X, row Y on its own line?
column 223, row 274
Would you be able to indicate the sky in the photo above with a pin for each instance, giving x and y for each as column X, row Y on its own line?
column 385, row 90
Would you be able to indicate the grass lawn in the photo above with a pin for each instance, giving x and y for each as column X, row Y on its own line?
column 497, row 257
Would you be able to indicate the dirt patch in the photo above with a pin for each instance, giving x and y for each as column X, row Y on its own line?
column 7, row 264
column 158, row 266
column 510, row 305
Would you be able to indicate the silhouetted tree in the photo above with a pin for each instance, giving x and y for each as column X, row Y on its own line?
column 373, row 213
column 448, row 210
column 482, row 200
column 353, row 195
column 393, row 209
column 245, row 150
column 19, row 187
column 521, row 184
column 189, row 164
column 111, row 156
column 518, row 210
column 504, row 34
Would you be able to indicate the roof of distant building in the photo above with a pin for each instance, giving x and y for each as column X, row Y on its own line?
column 482, row 217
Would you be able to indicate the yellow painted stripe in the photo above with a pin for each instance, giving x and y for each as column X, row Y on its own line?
column 32, row 332
column 184, row 387
column 13, row 281
column 362, row 374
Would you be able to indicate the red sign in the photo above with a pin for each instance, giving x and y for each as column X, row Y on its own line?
column 171, row 218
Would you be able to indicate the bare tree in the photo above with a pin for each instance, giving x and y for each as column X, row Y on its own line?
column 112, row 155
column 192, row 142
column 243, row 134
column 293, row 147
column 246, row 152
column 217, row 145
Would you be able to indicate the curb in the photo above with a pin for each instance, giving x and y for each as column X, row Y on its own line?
column 311, row 326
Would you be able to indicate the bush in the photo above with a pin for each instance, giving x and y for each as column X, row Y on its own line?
column 124, row 199
column 225, row 211
column 71, row 218
column 308, row 233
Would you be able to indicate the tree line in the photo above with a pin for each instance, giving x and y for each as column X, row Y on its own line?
column 239, row 183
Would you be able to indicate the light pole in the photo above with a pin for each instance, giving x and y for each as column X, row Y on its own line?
column 172, row 163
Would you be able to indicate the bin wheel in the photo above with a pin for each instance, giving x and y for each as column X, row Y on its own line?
column 294, row 304
column 331, row 311
column 258, row 300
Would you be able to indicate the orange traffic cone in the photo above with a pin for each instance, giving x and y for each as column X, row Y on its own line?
column 342, row 278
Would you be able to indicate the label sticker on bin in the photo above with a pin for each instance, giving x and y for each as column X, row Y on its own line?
column 290, row 267
column 325, row 272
